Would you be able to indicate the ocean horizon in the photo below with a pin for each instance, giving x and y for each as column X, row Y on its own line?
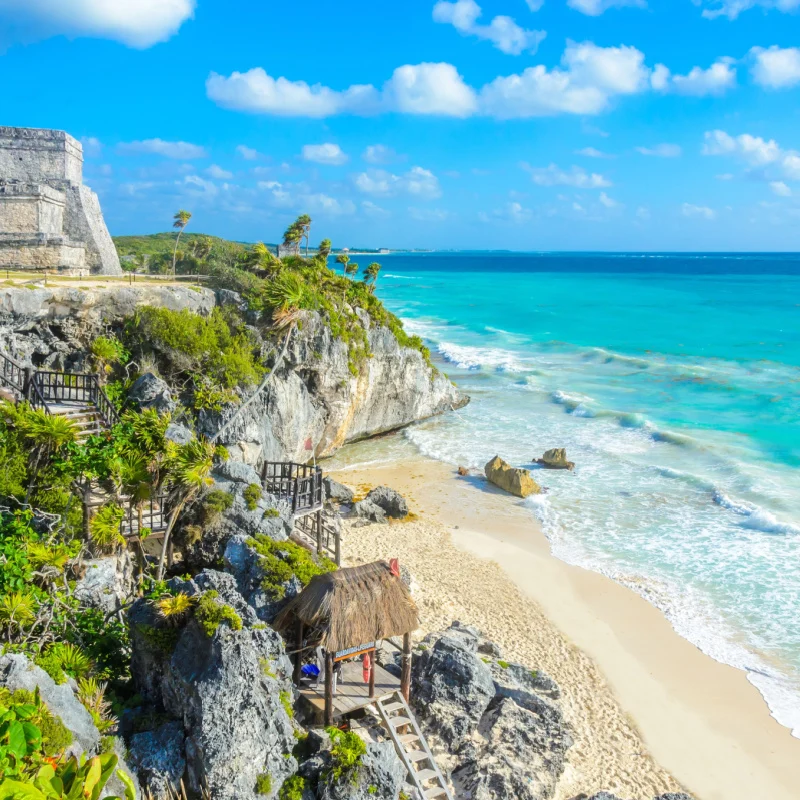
column 672, row 380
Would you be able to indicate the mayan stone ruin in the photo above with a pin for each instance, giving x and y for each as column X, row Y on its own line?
column 48, row 218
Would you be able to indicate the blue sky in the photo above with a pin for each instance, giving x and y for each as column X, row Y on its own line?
column 563, row 124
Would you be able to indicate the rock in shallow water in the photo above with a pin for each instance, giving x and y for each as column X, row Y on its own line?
column 514, row 481
column 555, row 459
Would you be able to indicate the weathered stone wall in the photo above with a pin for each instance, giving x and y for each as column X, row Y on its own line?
column 37, row 155
column 31, row 208
column 37, row 251
column 40, row 162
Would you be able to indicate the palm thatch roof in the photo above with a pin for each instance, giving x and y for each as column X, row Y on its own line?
column 353, row 606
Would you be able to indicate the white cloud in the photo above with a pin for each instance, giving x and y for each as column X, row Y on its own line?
column 136, row 23
column 373, row 210
column 594, row 8
column 775, row 67
column 753, row 149
column 92, row 146
column 732, row 8
column 428, row 214
column 502, row 31
column 299, row 197
column 591, row 76
column 791, row 166
column 379, row 154
column 716, row 80
column 704, row 212
column 199, row 186
column 417, row 181
column 220, row 174
column 661, row 151
column 182, row 150
column 643, row 213
column 780, row 188
column 534, row 5
column 577, row 177
column 593, row 152
column 258, row 93
column 607, row 201
column 429, row 89
column 248, row 153
column 512, row 212
column 327, row 153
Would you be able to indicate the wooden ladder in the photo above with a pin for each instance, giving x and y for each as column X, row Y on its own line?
column 411, row 747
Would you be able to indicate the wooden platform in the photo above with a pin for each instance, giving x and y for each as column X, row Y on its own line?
column 351, row 692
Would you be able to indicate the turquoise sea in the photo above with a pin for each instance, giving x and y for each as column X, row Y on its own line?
column 672, row 380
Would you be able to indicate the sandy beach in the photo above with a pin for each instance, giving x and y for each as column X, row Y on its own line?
column 651, row 713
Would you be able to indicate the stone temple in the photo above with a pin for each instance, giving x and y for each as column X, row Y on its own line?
column 48, row 218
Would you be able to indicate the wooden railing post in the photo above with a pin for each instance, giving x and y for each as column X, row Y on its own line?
column 328, row 689
column 405, row 668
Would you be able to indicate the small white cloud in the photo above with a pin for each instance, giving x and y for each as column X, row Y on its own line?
column 753, row 149
column 417, row 181
column 379, row 154
column 775, row 67
column 607, row 201
column 248, row 153
column 92, row 146
column 594, row 8
column 704, row 212
column 643, row 213
column 327, row 153
column 716, row 80
column 428, row 214
column 180, row 150
column 432, row 89
column 780, row 189
column 593, row 152
column 555, row 176
column 218, row 173
column 373, row 210
column 200, row 186
column 136, row 23
column 502, row 31
column 534, row 5
column 661, row 151
column 513, row 212
column 732, row 8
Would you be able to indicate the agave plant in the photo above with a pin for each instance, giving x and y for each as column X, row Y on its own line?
column 42, row 557
column 71, row 659
column 287, row 295
column 104, row 527
column 173, row 609
column 17, row 610
column 91, row 694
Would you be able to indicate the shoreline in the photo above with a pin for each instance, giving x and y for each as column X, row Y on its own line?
column 701, row 720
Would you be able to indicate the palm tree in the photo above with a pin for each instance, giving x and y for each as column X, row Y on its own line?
column 371, row 275
column 304, row 223
column 344, row 260
column 286, row 294
column 351, row 269
column 292, row 237
column 324, row 249
column 181, row 220
column 189, row 473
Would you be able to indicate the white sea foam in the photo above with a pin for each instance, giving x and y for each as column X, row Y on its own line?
column 755, row 517
column 466, row 357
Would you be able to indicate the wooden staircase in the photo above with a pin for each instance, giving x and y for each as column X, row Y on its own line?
column 86, row 418
column 411, row 746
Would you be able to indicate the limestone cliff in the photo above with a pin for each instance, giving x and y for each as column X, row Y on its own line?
column 312, row 395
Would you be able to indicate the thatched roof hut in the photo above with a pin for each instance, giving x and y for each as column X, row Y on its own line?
column 353, row 606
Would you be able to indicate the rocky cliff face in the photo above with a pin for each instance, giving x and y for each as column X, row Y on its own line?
column 315, row 396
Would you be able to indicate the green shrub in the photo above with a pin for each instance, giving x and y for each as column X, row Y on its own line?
column 107, row 351
column 215, row 503
column 212, row 398
column 286, row 702
column 293, row 788
column 346, row 754
column 216, row 347
column 210, row 614
column 252, row 494
column 105, row 527
column 264, row 783
column 280, row 561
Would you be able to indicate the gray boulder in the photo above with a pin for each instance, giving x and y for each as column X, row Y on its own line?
column 522, row 685
column 392, row 502
column 149, row 391
column 380, row 777
column 368, row 511
column 266, row 516
column 159, row 760
column 107, row 583
column 336, row 491
column 452, row 688
column 17, row 672
column 229, row 692
column 520, row 755
column 179, row 434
